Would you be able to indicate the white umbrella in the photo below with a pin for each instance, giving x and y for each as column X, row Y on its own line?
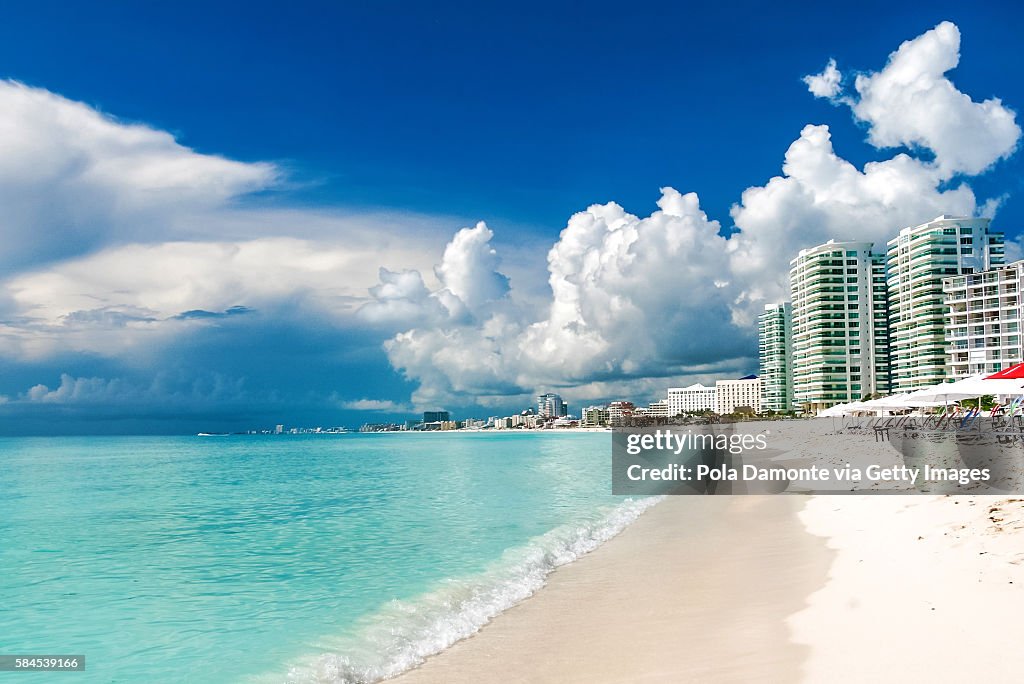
column 918, row 398
column 1001, row 386
column 895, row 401
column 923, row 403
column 832, row 411
column 950, row 391
column 924, row 396
column 915, row 400
column 967, row 388
column 844, row 409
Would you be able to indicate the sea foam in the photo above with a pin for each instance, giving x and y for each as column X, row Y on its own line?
column 403, row 634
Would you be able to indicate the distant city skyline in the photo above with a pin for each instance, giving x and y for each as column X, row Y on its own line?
column 336, row 215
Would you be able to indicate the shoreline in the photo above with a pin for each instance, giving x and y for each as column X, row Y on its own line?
column 671, row 598
column 489, row 431
column 772, row 588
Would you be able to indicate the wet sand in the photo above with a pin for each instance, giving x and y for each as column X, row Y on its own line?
column 784, row 588
column 697, row 589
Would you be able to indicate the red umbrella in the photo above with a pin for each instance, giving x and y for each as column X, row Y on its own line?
column 1011, row 373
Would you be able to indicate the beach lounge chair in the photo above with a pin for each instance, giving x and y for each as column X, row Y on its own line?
column 952, row 418
column 882, row 432
column 970, row 420
column 1010, row 421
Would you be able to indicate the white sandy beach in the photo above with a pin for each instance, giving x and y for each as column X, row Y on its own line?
column 774, row 588
column 922, row 588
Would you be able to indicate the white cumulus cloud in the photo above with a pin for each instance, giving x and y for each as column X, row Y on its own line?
column 627, row 295
column 73, row 178
column 667, row 295
column 376, row 405
column 826, row 84
column 469, row 268
column 73, row 391
column 911, row 103
column 134, row 299
column 121, row 239
column 820, row 196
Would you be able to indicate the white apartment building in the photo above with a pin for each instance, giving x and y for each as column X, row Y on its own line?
column 619, row 411
column 774, row 334
column 840, row 333
column 692, row 399
column 594, row 416
column 919, row 258
column 658, row 409
column 983, row 320
column 733, row 394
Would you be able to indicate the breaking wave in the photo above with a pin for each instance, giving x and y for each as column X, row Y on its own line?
column 403, row 634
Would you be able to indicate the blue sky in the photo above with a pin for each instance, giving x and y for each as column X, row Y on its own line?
column 392, row 126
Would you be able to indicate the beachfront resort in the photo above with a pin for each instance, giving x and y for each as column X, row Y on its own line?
column 937, row 305
column 726, row 397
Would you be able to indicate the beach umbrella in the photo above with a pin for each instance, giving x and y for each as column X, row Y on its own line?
column 1015, row 372
column 842, row 410
column 895, row 401
column 880, row 404
column 952, row 391
column 833, row 411
column 970, row 388
column 993, row 386
column 845, row 409
column 922, row 398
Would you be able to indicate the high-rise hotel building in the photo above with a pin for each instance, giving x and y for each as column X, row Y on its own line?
column 983, row 320
column 774, row 332
column 919, row 258
column 550, row 405
column 733, row 395
column 840, row 324
column 693, row 399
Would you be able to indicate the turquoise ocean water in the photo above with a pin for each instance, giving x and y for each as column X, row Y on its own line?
column 330, row 558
